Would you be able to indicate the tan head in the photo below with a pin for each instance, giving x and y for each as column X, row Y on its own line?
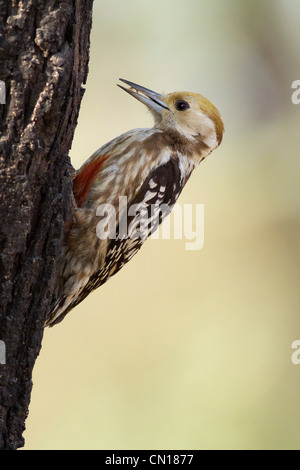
column 191, row 114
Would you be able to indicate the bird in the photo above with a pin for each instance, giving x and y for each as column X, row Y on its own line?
column 144, row 168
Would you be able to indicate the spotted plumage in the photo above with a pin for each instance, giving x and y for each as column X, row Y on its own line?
column 140, row 176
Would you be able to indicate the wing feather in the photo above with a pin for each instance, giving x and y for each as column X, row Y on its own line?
column 155, row 197
column 160, row 191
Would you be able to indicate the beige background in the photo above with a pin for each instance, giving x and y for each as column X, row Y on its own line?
column 190, row 349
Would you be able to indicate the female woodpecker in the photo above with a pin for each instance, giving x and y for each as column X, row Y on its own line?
column 143, row 168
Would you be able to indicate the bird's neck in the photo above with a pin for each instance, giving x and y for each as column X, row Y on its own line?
column 193, row 147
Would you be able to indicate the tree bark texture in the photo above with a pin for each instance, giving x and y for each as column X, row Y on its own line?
column 44, row 49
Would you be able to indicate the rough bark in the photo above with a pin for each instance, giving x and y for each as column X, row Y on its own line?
column 44, row 47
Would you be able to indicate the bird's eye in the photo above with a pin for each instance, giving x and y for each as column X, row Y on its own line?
column 182, row 105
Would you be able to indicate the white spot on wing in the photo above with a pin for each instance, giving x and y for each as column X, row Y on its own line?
column 152, row 184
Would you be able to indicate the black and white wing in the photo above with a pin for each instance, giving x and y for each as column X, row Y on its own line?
column 151, row 204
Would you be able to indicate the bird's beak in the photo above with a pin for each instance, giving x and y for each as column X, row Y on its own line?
column 150, row 98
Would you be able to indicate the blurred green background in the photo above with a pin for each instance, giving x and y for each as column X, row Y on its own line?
column 190, row 349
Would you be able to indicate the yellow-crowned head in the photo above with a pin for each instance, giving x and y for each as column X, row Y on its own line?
column 190, row 114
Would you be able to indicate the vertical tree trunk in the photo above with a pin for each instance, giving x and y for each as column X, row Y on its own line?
column 44, row 47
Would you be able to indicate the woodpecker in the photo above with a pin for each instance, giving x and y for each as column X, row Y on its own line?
column 145, row 169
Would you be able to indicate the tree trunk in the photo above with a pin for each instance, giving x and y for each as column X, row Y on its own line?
column 44, row 47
